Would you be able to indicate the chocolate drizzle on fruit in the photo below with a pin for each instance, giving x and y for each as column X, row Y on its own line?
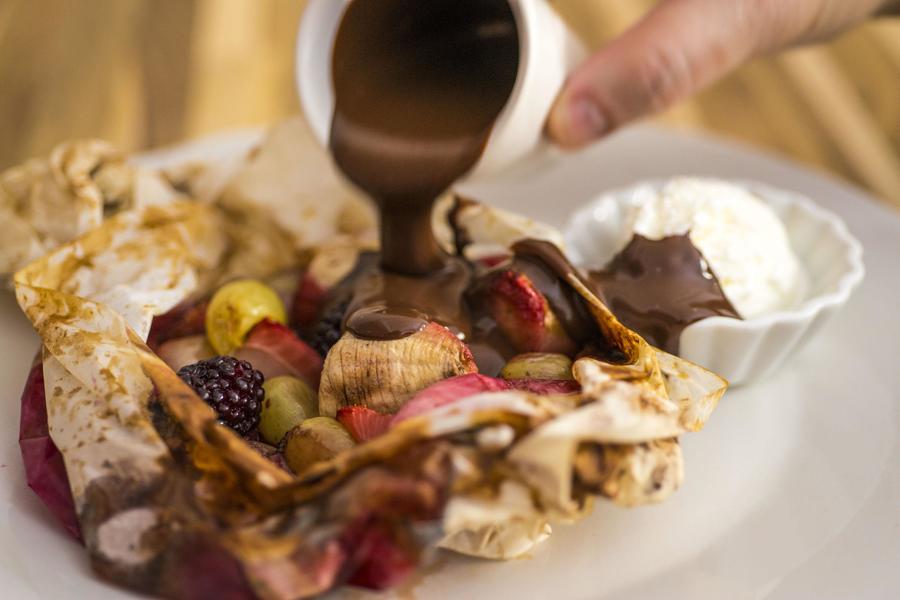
column 659, row 287
column 548, row 269
column 418, row 87
column 387, row 305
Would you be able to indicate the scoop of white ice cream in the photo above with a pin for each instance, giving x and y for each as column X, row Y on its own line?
column 742, row 239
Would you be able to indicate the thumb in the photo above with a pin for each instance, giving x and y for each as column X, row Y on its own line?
column 676, row 49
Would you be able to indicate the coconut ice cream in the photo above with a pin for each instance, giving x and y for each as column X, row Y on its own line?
column 666, row 256
column 744, row 242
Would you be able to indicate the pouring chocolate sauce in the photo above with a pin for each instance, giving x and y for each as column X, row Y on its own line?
column 418, row 87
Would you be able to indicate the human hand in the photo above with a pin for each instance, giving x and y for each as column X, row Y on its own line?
column 683, row 45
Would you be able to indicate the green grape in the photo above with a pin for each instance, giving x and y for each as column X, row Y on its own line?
column 288, row 403
column 316, row 440
column 538, row 365
column 236, row 309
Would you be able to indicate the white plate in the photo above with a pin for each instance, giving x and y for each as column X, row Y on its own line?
column 792, row 491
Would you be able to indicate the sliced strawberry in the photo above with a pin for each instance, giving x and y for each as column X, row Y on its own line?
column 363, row 423
column 307, row 301
column 544, row 387
column 524, row 315
column 494, row 260
column 276, row 350
column 382, row 562
column 447, row 392
column 185, row 320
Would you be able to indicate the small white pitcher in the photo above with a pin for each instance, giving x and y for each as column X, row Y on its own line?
column 548, row 52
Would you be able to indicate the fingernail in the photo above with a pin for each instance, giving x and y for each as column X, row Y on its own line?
column 586, row 121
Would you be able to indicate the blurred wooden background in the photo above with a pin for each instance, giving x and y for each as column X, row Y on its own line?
column 142, row 73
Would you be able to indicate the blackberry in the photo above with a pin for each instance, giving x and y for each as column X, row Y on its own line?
column 232, row 387
column 328, row 329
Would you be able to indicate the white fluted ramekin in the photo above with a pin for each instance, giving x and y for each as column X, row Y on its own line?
column 750, row 350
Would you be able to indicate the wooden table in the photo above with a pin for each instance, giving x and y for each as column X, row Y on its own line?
column 147, row 72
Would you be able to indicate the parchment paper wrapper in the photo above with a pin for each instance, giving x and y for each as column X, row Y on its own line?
column 171, row 503
column 46, row 203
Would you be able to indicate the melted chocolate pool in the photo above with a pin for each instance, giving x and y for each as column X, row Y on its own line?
column 659, row 287
column 418, row 87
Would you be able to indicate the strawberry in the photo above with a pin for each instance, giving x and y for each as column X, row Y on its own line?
column 307, row 301
column 276, row 350
column 524, row 315
column 495, row 260
column 185, row 320
column 543, row 387
column 363, row 423
column 382, row 562
column 447, row 392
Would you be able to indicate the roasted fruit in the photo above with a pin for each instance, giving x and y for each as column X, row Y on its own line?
column 538, row 365
column 289, row 402
column 545, row 387
column 328, row 268
column 276, row 350
column 185, row 320
column 270, row 453
column 231, row 386
column 181, row 352
column 328, row 329
column 236, row 309
column 447, row 392
column 384, row 374
column 307, row 301
column 316, row 440
column 363, row 423
column 524, row 315
column 455, row 389
column 383, row 561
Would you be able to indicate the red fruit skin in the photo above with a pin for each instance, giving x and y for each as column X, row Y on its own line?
column 185, row 320
column 182, row 352
column 380, row 539
column 524, row 315
column 307, row 302
column 490, row 262
column 455, row 389
column 382, row 562
column 203, row 569
column 45, row 471
column 447, row 392
column 363, row 423
column 276, row 350
column 543, row 387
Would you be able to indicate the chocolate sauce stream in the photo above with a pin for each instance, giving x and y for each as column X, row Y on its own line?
column 418, row 86
column 659, row 287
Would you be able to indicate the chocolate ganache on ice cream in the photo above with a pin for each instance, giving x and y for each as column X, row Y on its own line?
column 659, row 287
